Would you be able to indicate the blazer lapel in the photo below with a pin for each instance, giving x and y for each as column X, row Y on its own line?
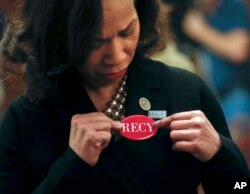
column 70, row 99
column 146, row 85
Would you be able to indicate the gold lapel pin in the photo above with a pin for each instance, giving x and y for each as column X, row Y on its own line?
column 144, row 104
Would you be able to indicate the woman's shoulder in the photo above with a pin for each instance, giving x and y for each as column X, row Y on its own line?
column 22, row 104
column 169, row 72
column 173, row 78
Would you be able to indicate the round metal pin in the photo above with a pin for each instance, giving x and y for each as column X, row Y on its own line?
column 145, row 104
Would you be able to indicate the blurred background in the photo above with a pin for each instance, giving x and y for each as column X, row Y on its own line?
column 11, row 81
column 212, row 39
column 208, row 37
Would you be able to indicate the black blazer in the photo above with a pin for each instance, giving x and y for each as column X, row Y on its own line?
column 35, row 156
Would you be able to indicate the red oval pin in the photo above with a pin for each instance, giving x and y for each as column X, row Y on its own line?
column 138, row 127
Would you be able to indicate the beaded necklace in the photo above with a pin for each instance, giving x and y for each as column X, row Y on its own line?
column 115, row 108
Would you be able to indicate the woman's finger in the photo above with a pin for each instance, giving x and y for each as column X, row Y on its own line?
column 184, row 135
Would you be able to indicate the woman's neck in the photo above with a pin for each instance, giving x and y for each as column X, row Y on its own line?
column 101, row 96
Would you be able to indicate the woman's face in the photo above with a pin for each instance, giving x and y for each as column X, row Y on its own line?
column 114, row 48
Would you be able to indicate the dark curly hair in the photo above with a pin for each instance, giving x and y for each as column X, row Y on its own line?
column 58, row 36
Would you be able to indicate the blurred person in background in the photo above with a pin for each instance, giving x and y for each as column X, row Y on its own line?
column 221, row 28
column 2, row 92
column 248, row 3
column 10, row 80
column 172, row 55
column 11, row 8
column 2, row 22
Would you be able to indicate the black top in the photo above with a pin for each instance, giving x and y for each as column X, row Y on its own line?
column 35, row 156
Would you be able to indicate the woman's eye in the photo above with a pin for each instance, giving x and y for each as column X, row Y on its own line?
column 126, row 33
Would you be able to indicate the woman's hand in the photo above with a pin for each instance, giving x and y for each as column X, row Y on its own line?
column 192, row 132
column 90, row 134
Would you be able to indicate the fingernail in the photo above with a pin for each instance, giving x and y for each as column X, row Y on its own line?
column 155, row 123
column 119, row 125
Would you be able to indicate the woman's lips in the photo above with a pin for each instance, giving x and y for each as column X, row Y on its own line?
column 115, row 76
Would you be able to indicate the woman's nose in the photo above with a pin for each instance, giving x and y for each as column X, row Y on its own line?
column 115, row 52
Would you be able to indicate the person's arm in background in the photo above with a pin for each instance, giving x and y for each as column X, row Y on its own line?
column 222, row 26
column 232, row 45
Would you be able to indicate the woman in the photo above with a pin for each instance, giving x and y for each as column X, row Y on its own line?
column 61, row 136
